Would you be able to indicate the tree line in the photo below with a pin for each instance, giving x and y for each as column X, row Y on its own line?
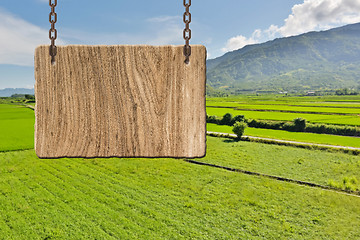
column 297, row 125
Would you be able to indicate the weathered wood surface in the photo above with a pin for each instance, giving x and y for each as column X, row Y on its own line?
column 120, row 101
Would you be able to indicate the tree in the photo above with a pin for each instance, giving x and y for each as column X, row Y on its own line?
column 238, row 118
column 211, row 119
column 226, row 119
column 239, row 129
column 29, row 97
column 300, row 124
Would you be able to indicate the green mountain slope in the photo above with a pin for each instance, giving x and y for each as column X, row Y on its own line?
column 315, row 60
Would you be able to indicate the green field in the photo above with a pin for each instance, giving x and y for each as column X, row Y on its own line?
column 263, row 107
column 315, row 166
column 294, row 100
column 294, row 103
column 271, row 107
column 165, row 199
column 282, row 116
column 173, row 199
column 292, row 136
column 16, row 127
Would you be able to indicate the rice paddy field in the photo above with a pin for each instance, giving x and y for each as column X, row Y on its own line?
column 291, row 136
column 330, row 110
column 16, row 127
column 171, row 198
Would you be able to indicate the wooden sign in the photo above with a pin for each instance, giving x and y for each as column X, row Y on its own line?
column 120, row 101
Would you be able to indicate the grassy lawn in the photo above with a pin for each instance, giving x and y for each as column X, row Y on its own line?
column 16, row 127
column 292, row 136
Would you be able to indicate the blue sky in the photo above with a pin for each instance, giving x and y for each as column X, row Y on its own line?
column 219, row 25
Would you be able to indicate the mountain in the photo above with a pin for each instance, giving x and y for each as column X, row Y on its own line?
column 315, row 60
column 7, row 92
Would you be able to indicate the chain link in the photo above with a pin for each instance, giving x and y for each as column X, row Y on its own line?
column 187, row 31
column 52, row 31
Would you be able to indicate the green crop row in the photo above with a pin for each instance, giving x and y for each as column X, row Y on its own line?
column 285, row 108
column 291, row 136
column 268, row 98
column 16, row 127
column 283, row 116
column 340, row 105
column 172, row 199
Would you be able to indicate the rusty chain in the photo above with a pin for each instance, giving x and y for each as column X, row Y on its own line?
column 187, row 31
column 53, row 31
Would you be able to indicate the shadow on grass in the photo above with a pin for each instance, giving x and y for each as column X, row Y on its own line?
column 231, row 140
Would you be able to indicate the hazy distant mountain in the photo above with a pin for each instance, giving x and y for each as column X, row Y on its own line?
column 7, row 92
column 315, row 60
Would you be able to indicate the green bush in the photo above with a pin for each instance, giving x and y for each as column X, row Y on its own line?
column 226, row 119
column 239, row 128
column 299, row 124
column 265, row 124
column 238, row 118
column 29, row 97
column 289, row 126
column 212, row 119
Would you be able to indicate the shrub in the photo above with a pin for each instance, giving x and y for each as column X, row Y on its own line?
column 239, row 128
column 288, row 126
column 29, row 97
column 212, row 119
column 226, row 119
column 333, row 129
column 238, row 118
column 299, row 124
column 265, row 124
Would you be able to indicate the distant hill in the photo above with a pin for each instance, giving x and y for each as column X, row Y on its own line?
column 315, row 60
column 7, row 92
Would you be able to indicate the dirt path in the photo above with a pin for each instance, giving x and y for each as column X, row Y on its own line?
column 288, row 141
column 31, row 107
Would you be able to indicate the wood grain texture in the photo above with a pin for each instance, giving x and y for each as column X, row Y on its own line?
column 120, row 101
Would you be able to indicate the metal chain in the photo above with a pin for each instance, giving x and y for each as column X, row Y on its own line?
column 187, row 31
column 53, row 31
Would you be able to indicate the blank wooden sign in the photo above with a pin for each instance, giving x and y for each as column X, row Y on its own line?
column 120, row 101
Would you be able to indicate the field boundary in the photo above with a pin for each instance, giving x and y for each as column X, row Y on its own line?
column 292, row 105
column 16, row 150
column 282, row 179
column 351, row 150
column 31, row 107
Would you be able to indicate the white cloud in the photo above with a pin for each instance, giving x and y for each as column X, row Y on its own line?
column 18, row 40
column 311, row 15
column 241, row 41
column 167, row 30
column 319, row 15
column 162, row 19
